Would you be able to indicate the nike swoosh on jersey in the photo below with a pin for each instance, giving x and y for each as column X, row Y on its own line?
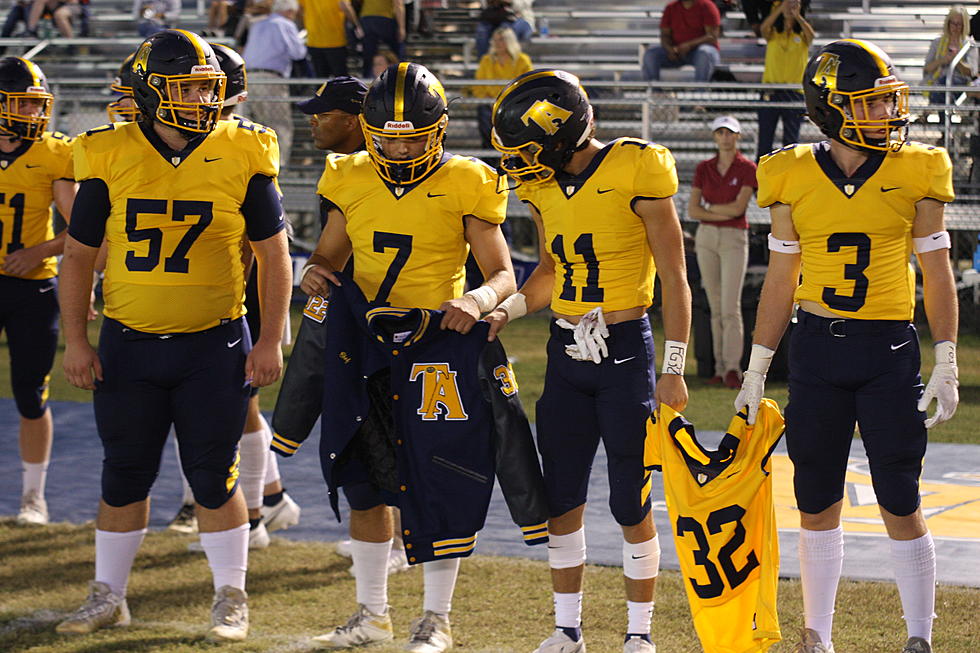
column 233, row 343
column 207, row 160
column 603, row 191
column 620, row 361
column 435, row 195
column 888, row 190
column 30, row 166
column 894, row 347
column 45, row 289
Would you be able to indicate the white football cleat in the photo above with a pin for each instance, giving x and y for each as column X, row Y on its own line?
column 810, row 643
column 33, row 509
column 229, row 615
column 559, row 642
column 430, row 634
column 282, row 515
column 102, row 608
column 185, row 521
column 637, row 644
column 364, row 627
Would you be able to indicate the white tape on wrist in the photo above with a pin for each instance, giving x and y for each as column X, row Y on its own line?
column 784, row 246
column 515, row 306
column 306, row 268
column 938, row 240
column 675, row 355
column 485, row 298
column 945, row 352
column 760, row 358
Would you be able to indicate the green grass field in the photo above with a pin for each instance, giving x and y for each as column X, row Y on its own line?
column 300, row 589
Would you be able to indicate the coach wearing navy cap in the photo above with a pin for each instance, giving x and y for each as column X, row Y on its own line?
column 333, row 113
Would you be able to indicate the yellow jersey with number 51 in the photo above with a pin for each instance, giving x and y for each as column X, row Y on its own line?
column 408, row 241
column 597, row 241
column 175, row 230
column 856, row 232
column 26, row 193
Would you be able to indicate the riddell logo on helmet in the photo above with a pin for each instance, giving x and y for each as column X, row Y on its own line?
column 196, row 70
column 399, row 125
column 36, row 89
column 884, row 81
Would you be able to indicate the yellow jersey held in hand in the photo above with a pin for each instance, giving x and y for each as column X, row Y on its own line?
column 724, row 525
column 856, row 232
column 599, row 244
column 175, row 230
column 26, row 178
column 408, row 241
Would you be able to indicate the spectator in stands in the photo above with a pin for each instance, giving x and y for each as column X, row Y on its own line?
column 689, row 32
column 155, row 15
column 61, row 12
column 273, row 44
column 18, row 14
column 503, row 13
column 326, row 34
column 382, row 21
column 382, row 60
column 427, row 10
column 942, row 51
column 504, row 61
column 722, row 188
column 788, row 38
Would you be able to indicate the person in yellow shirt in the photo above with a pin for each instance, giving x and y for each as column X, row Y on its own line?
column 504, row 61
column 788, row 37
column 326, row 36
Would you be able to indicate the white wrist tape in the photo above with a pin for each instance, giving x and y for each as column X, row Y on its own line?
column 945, row 352
column 784, row 246
column 485, row 297
column 760, row 358
column 515, row 306
column 675, row 355
column 707, row 206
column 938, row 240
column 566, row 551
column 306, row 268
column 641, row 560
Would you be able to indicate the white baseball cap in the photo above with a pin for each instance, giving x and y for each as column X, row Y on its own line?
column 728, row 123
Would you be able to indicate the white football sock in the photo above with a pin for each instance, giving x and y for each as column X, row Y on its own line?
column 371, row 573
column 639, row 614
column 114, row 555
column 821, row 559
column 439, row 580
column 271, row 466
column 568, row 610
column 34, row 478
column 188, row 497
column 915, row 572
column 251, row 468
column 227, row 553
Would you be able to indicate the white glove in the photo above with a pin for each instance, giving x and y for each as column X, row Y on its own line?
column 750, row 396
column 943, row 385
column 590, row 337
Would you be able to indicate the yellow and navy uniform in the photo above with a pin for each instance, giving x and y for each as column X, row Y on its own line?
column 175, row 223
column 721, row 506
column 408, row 242
column 856, row 232
column 26, row 179
column 598, row 243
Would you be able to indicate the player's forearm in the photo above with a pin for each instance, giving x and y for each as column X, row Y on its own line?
column 939, row 295
column 275, row 285
column 676, row 307
column 53, row 247
column 502, row 282
column 537, row 288
column 775, row 307
column 75, row 289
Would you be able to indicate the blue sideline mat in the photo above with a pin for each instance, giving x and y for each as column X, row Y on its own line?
column 950, row 488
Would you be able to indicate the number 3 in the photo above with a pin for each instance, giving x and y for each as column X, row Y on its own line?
column 735, row 576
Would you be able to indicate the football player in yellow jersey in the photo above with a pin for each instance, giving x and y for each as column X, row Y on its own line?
column 123, row 108
column 606, row 224
column 407, row 213
column 35, row 169
column 847, row 214
column 172, row 195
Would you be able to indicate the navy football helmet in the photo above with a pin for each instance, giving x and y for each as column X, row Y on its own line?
column 539, row 121
column 25, row 103
column 166, row 68
column 843, row 81
column 123, row 108
column 236, row 81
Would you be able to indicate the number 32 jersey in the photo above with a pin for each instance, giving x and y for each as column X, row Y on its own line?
column 599, row 245
column 856, row 232
column 724, row 525
column 175, row 228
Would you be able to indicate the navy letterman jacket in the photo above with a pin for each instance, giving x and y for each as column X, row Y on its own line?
column 455, row 422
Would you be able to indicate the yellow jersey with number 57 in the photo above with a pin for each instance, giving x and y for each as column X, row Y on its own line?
column 26, row 178
column 175, row 229
column 598, row 243
column 724, row 524
column 856, row 232
column 408, row 242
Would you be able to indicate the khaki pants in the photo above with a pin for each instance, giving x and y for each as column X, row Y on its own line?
column 722, row 258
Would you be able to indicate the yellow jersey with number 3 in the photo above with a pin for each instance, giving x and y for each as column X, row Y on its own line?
column 721, row 508
column 26, row 195
column 408, row 242
column 598, row 243
column 175, row 230
column 856, row 232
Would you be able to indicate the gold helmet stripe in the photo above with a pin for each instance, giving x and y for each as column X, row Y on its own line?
column 400, row 91
column 32, row 68
column 514, row 87
column 876, row 53
column 196, row 42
